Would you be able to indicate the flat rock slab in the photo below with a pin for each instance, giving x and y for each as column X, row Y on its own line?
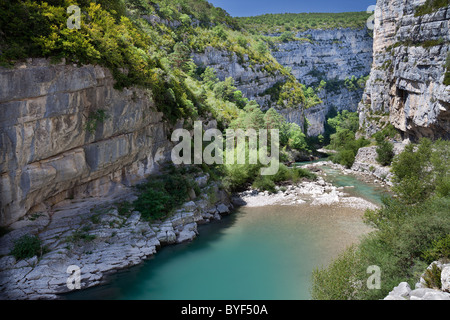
column 91, row 235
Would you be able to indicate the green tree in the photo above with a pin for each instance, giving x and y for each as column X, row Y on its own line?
column 342, row 138
column 239, row 99
column 273, row 119
column 385, row 152
column 345, row 120
column 297, row 139
column 209, row 77
column 254, row 117
column 421, row 170
column 185, row 20
column 225, row 89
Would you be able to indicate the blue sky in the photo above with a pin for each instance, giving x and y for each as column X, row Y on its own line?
column 243, row 8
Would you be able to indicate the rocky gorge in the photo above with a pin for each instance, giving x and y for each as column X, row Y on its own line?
column 73, row 146
column 329, row 55
column 56, row 131
column 94, row 235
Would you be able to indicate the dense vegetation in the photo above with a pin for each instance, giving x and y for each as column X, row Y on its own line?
column 298, row 22
column 144, row 44
column 106, row 37
column 241, row 176
column 28, row 246
column 343, row 141
column 411, row 229
column 385, row 148
column 160, row 195
column 340, row 134
column 385, row 153
column 148, row 45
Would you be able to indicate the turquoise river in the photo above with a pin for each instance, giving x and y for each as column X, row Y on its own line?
column 263, row 253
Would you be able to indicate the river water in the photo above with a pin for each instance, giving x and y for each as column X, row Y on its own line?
column 255, row 253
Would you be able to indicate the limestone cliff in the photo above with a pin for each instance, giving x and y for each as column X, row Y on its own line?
column 406, row 84
column 327, row 54
column 251, row 79
column 47, row 153
column 330, row 55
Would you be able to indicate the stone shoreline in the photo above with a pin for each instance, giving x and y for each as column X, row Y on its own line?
column 367, row 176
column 91, row 235
column 315, row 193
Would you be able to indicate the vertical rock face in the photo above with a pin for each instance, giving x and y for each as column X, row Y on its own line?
column 329, row 55
column 252, row 80
column 342, row 99
column 47, row 153
column 334, row 54
column 406, row 85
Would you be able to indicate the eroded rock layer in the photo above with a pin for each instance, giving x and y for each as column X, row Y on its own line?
column 65, row 132
column 406, row 86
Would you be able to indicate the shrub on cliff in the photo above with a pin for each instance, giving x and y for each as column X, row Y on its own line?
column 431, row 6
column 154, row 204
column 287, row 36
column 159, row 196
column 385, row 152
column 388, row 131
column 27, row 246
column 447, row 70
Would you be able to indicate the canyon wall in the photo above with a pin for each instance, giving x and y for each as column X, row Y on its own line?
column 333, row 56
column 249, row 78
column 47, row 152
column 329, row 55
column 406, row 85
